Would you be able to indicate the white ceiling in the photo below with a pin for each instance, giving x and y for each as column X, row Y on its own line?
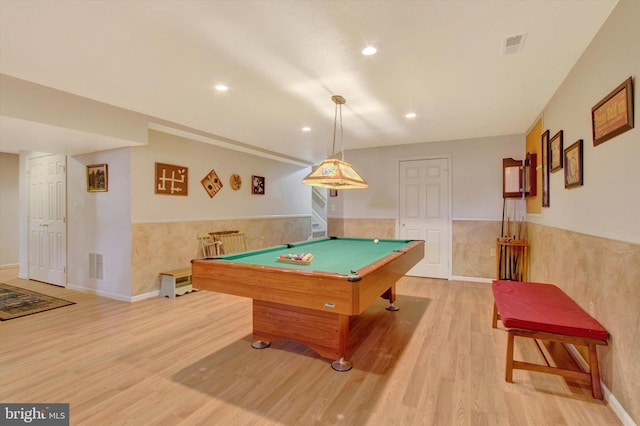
column 282, row 61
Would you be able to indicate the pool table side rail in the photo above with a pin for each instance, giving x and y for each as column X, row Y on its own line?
column 277, row 285
column 387, row 272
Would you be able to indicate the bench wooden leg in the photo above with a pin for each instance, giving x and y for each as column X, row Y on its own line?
column 494, row 323
column 592, row 377
column 508, row 370
column 596, row 388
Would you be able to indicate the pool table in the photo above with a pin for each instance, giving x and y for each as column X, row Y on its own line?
column 311, row 304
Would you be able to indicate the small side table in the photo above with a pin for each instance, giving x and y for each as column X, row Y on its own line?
column 176, row 282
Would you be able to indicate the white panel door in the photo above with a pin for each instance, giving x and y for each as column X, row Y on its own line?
column 424, row 213
column 47, row 219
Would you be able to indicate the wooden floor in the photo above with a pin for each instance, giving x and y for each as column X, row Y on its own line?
column 189, row 361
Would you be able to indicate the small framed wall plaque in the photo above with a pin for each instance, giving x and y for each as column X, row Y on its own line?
column 172, row 179
column 555, row 152
column 257, row 185
column 614, row 114
column 211, row 183
column 97, row 178
column 545, row 169
column 573, row 165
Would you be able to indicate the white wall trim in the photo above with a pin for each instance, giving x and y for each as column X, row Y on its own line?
column 472, row 279
column 10, row 266
column 107, row 294
column 217, row 219
column 476, row 219
column 148, row 295
column 615, row 405
column 228, row 145
column 114, row 296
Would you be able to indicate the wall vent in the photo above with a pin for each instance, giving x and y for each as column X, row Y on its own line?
column 96, row 266
column 513, row 44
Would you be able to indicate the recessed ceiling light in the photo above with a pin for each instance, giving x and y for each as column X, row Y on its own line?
column 306, row 129
column 369, row 50
column 221, row 88
column 411, row 115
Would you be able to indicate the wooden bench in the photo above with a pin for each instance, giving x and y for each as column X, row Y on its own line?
column 544, row 312
column 175, row 282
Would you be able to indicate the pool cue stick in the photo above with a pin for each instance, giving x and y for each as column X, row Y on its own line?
column 509, row 248
column 500, row 260
column 504, row 201
column 514, row 220
column 519, row 228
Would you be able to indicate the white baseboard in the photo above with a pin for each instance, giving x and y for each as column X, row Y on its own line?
column 611, row 399
column 149, row 295
column 472, row 279
column 115, row 296
column 10, row 266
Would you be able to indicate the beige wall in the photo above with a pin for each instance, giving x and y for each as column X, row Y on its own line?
column 158, row 247
column 9, row 209
column 362, row 228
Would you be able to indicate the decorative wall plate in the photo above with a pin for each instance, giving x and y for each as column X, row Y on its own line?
column 235, row 181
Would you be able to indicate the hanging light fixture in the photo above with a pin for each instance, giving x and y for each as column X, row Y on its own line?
column 334, row 173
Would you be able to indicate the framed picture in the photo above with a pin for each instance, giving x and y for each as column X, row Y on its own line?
column 545, row 169
column 573, row 165
column 97, row 178
column 531, row 175
column 257, row 185
column 172, row 179
column 614, row 114
column 333, row 192
column 555, row 152
column 211, row 183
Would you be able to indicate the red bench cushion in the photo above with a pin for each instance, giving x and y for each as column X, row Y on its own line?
column 543, row 307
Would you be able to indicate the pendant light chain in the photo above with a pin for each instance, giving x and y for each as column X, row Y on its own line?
column 334, row 173
column 341, row 133
column 335, row 119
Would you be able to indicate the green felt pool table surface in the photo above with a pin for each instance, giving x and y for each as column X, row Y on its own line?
column 338, row 255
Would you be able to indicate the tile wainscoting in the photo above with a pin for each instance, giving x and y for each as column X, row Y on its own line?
column 603, row 277
column 474, row 245
column 472, row 241
column 156, row 247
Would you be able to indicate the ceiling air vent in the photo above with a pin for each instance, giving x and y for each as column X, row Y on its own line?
column 513, row 44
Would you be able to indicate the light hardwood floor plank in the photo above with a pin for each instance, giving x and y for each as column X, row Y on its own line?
column 189, row 361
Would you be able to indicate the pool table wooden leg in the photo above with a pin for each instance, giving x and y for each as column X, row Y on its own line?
column 390, row 295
